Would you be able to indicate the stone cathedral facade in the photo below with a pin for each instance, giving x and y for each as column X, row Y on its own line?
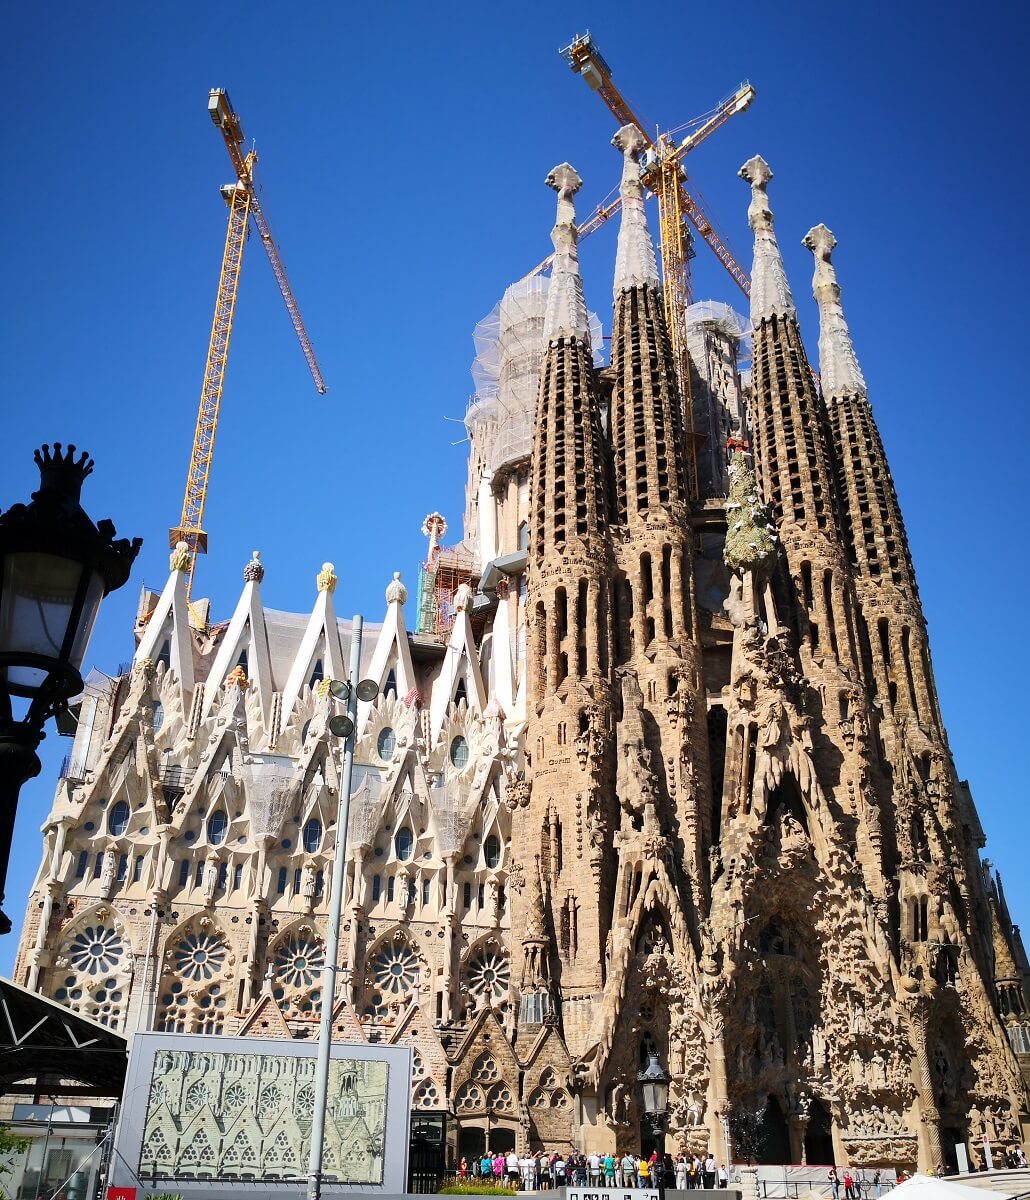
column 673, row 777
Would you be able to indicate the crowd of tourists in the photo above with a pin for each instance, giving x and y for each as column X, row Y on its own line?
column 542, row 1172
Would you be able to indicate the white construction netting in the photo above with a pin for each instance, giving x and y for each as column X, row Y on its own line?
column 268, row 781
column 509, row 343
column 729, row 322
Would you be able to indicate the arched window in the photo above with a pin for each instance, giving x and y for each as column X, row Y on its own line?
column 377, row 887
column 157, row 715
column 386, row 743
column 403, row 842
column 459, row 752
column 492, row 851
column 118, row 819
column 217, row 825
column 312, row 835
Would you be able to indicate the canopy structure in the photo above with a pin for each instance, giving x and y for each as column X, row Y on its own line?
column 46, row 1048
column 929, row 1187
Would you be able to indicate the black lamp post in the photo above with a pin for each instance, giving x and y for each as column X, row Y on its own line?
column 55, row 568
column 654, row 1095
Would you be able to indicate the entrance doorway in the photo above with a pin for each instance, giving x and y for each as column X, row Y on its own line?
column 775, row 1142
column 819, row 1136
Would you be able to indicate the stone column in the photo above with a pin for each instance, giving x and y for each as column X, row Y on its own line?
column 918, row 1012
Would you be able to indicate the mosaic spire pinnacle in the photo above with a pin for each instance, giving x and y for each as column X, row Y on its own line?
column 770, row 291
column 566, row 314
column 635, row 264
column 839, row 371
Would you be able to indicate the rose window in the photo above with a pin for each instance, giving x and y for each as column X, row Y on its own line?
column 395, row 970
column 298, row 962
column 306, row 1100
column 270, row 1103
column 235, row 1097
column 196, row 1097
column 96, row 950
column 488, row 974
column 199, row 956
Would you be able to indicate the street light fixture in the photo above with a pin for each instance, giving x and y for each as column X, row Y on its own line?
column 349, row 691
column 55, row 568
column 654, row 1095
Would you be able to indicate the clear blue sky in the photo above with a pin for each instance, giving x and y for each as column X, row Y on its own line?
column 403, row 150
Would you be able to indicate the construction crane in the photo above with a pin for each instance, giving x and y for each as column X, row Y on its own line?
column 734, row 103
column 242, row 202
column 664, row 175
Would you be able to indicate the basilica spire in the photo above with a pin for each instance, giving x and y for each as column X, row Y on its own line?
column 566, row 314
column 770, row 291
column 635, row 264
column 793, row 460
column 646, row 413
column 838, row 364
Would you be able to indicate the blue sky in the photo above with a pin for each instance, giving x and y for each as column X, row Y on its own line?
column 402, row 155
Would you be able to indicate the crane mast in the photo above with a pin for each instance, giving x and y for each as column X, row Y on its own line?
column 664, row 175
column 242, row 202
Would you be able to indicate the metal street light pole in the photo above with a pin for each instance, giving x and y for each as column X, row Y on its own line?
column 332, row 933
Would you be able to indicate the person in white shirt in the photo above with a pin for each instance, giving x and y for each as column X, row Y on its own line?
column 724, row 1176
column 528, row 1165
column 710, row 1170
column 511, row 1164
column 594, row 1169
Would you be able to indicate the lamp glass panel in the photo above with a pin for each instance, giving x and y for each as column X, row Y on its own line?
column 37, row 603
column 661, row 1096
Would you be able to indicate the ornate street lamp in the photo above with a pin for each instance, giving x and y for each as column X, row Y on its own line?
column 654, row 1082
column 55, row 568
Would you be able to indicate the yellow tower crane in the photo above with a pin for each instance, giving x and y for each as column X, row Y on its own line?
column 665, row 177
column 242, row 203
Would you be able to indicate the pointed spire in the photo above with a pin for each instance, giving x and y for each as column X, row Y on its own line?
column 566, row 314
column 635, row 264
column 839, row 371
column 770, row 291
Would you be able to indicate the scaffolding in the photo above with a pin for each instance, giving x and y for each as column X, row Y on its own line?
column 439, row 577
column 509, row 344
column 719, row 346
